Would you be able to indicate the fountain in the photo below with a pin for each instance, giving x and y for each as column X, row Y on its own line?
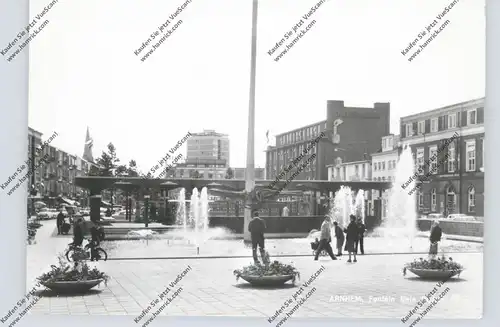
column 359, row 205
column 195, row 225
column 401, row 217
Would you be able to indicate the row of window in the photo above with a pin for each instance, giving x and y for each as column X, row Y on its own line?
column 450, row 193
column 302, row 135
column 434, row 123
column 380, row 165
column 452, row 160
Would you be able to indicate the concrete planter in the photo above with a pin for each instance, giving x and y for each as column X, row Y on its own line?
column 436, row 274
column 267, row 280
column 72, row 287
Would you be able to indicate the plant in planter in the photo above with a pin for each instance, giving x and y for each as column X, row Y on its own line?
column 438, row 267
column 273, row 272
column 77, row 278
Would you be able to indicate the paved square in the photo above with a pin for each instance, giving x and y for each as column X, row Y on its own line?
column 374, row 287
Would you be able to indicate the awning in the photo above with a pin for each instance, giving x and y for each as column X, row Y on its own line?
column 68, row 201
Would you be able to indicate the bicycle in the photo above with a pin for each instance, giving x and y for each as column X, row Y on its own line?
column 81, row 254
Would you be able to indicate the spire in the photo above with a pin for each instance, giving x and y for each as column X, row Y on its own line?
column 87, row 150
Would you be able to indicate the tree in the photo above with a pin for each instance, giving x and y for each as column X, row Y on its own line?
column 229, row 173
column 107, row 163
column 132, row 169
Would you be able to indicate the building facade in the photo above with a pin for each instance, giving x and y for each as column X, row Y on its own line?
column 455, row 182
column 200, row 168
column 348, row 133
column 384, row 162
column 259, row 173
column 384, row 168
column 350, row 171
column 208, row 145
column 55, row 178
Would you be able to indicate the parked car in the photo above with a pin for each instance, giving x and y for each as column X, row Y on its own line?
column 48, row 213
column 461, row 217
column 435, row 216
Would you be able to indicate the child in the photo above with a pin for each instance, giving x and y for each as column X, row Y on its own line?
column 315, row 245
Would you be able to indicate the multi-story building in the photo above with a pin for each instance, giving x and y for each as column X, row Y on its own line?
column 200, row 168
column 350, row 171
column 206, row 147
column 34, row 142
column 349, row 133
column 384, row 161
column 384, row 168
column 55, row 177
column 454, row 181
column 259, row 173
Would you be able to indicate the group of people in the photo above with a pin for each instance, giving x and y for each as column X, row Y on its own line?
column 354, row 237
column 96, row 231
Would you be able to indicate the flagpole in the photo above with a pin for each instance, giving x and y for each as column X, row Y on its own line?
column 250, row 165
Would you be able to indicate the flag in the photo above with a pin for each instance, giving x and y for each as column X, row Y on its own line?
column 267, row 136
column 87, row 150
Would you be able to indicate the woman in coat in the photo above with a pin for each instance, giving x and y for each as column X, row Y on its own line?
column 352, row 234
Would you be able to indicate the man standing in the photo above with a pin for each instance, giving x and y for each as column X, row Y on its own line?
column 339, row 235
column 362, row 230
column 256, row 227
column 325, row 238
column 60, row 221
column 434, row 238
column 78, row 232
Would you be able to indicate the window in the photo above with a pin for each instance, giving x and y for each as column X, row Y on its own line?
column 420, row 199
column 452, row 121
column 482, row 153
column 451, row 158
column 409, row 131
column 420, row 160
column 433, row 162
column 389, row 165
column 433, row 200
column 421, row 127
column 390, row 143
column 375, row 166
column 471, row 155
column 394, row 164
column 434, row 125
column 471, row 198
column 383, row 165
column 471, row 117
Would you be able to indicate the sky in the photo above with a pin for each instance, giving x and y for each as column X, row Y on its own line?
column 84, row 73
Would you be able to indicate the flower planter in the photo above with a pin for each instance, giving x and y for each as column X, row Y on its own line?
column 66, row 287
column 267, row 280
column 435, row 273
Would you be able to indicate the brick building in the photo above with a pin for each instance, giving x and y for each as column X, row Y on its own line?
column 456, row 185
column 350, row 133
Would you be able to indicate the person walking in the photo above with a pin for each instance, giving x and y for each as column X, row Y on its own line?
column 78, row 232
column 339, row 235
column 60, row 221
column 352, row 234
column 434, row 238
column 325, row 239
column 257, row 227
column 362, row 230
